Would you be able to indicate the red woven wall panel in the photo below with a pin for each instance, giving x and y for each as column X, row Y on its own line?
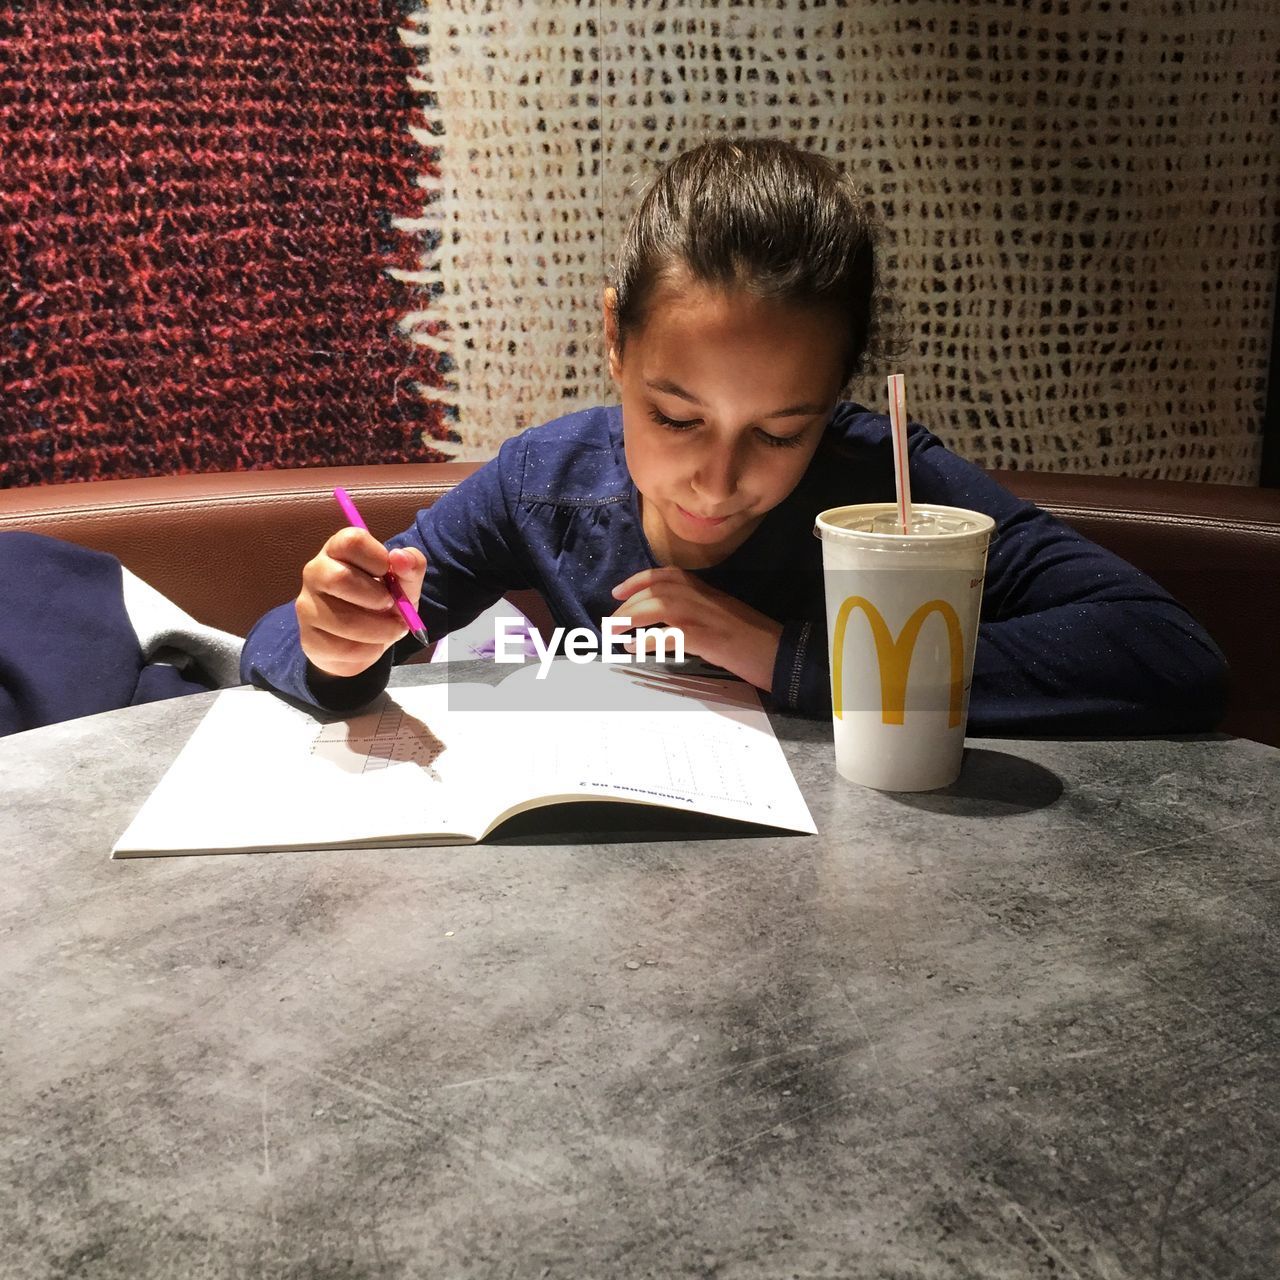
column 195, row 224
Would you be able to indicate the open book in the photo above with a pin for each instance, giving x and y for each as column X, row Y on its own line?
column 447, row 763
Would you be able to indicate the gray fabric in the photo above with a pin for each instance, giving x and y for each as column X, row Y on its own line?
column 167, row 633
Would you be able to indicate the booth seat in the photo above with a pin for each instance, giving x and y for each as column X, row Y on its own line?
column 226, row 547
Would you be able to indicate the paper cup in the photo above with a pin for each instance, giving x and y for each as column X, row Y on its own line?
column 902, row 623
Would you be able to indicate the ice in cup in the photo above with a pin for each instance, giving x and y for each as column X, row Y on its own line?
column 902, row 624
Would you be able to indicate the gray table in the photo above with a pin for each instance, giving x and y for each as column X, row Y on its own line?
column 1024, row 1027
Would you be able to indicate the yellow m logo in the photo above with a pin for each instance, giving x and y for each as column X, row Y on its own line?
column 894, row 657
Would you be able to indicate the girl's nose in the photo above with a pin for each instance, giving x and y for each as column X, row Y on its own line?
column 716, row 479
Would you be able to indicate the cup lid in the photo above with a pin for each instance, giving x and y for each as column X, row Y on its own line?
column 932, row 523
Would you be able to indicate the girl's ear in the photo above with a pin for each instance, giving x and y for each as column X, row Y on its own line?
column 611, row 333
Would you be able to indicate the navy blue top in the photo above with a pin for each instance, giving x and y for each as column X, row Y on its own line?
column 67, row 645
column 1072, row 638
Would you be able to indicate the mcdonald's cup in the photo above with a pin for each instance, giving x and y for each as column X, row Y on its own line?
column 902, row 623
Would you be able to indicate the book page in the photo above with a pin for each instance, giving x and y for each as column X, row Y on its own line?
column 648, row 735
column 444, row 763
column 261, row 774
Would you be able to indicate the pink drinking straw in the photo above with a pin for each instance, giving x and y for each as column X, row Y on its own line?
column 898, row 427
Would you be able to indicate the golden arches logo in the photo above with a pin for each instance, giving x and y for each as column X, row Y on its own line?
column 894, row 657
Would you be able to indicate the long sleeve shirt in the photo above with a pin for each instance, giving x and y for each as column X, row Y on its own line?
column 1071, row 640
column 80, row 634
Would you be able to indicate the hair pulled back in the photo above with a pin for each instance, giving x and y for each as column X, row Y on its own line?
column 759, row 215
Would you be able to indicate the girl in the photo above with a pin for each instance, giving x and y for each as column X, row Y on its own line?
column 741, row 306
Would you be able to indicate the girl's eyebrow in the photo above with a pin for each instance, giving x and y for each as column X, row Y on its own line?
column 674, row 389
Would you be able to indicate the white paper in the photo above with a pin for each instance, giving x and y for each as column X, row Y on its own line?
column 442, row 763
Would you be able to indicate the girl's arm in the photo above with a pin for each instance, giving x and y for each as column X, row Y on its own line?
column 1072, row 640
column 473, row 558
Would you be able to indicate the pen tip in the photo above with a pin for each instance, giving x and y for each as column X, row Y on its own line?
column 421, row 637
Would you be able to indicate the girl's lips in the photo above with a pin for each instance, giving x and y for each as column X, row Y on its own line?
column 709, row 521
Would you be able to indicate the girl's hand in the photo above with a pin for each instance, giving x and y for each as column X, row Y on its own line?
column 716, row 627
column 346, row 617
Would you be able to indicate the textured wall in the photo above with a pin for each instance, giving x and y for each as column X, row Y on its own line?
column 195, row 205
column 1080, row 201
column 199, row 267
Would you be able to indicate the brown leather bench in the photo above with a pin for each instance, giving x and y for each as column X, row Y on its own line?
column 1213, row 547
column 227, row 547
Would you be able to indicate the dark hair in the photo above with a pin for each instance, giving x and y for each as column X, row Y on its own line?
column 756, row 214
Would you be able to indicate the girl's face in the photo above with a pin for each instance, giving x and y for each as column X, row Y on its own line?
column 724, row 400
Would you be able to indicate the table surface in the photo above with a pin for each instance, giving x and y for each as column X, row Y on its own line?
column 1026, row 1026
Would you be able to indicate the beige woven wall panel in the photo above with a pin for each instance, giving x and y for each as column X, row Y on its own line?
column 1080, row 203
column 512, row 285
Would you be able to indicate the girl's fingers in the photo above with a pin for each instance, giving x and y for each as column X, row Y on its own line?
column 347, row 616
column 671, row 592
column 382, row 626
column 350, row 570
column 338, row 581
column 634, row 583
column 358, row 579
column 643, row 609
column 359, row 549
column 340, row 655
column 410, row 567
column 653, row 642
column 646, row 578
column 407, row 562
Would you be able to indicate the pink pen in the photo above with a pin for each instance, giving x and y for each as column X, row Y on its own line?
column 389, row 580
